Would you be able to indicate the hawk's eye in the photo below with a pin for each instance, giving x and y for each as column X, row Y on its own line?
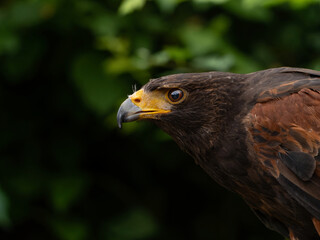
column 175, row 95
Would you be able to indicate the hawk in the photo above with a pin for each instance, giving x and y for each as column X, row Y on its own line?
column 256, row 134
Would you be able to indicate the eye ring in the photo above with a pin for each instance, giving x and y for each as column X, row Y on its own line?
column 175, row 95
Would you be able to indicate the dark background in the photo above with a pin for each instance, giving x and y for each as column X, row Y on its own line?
column 66, row 171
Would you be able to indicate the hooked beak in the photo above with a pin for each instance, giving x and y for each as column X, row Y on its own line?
column 142, row 105
column 128, row 112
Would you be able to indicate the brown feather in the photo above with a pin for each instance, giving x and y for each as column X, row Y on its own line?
column 316, row 224
column 256, row 134
column 296, row 120
column 291, row 235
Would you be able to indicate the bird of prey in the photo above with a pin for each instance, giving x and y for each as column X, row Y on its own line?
column 256, row 134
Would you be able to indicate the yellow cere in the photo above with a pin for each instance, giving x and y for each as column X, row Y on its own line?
column 150, row 103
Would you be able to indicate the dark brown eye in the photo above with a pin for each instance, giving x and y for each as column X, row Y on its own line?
column 175, row 95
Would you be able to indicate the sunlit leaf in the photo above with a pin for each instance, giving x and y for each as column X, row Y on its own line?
column 249, row 9
column 128, row 6
column 211, row 1
column 177, row 54
column 167, row 5
column 115, row 45
column 119, row 64
column 218, row 63
column 293, row 3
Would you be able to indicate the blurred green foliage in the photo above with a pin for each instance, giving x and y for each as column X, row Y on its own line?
column 66, row 171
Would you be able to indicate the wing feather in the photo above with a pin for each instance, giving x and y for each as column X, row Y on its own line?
column 286, row 138
column 301, row 164
column 280, row 82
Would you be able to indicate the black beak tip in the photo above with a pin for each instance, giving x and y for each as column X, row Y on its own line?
column 120, row 124
column 127, row 112
column 120, row 118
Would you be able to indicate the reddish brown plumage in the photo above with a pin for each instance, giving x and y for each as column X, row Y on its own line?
column 291, row 123
column 316, row 224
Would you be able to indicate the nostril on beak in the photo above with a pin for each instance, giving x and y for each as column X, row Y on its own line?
column 136, row 100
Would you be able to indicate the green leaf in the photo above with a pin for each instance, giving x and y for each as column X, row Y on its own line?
column 118, row 65
column 24, row 14
column 177, row 54
column 99, row 91
column 66, row 190
column 9, row 42
column 211, row 1
column 128, row 6
column 199, row 40
column 297, row 4
column 167, row 5
column 4, row 209
column 135, row 224
column 103, row 24
column 302, row 3
column 219, row 63
column 315, row 65
column 115, row 45
column 249, row 9
column 70, row 229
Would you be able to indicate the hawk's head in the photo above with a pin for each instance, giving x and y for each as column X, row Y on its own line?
column 189, row 107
